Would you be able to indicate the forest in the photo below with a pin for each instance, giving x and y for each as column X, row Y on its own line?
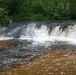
column 21, row 10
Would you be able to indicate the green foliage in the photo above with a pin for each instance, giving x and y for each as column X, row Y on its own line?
column 3, row 16
column 37, row 10
column 14, row 7
column 73, row 9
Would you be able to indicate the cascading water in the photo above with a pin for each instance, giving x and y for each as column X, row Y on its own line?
column 35, row 38
column 44, row 34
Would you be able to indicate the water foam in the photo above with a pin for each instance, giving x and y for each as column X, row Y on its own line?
column 5, row 38
column 44, row 34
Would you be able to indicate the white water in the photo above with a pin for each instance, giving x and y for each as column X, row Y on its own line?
column 5, row 38
column 44, row 34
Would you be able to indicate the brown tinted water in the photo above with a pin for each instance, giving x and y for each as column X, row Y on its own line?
column 58, row 61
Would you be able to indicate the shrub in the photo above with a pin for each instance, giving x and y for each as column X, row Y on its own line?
column 3, row 16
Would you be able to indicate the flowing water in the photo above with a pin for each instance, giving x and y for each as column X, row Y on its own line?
column 35, row 38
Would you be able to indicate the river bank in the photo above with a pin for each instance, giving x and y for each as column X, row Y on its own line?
column 10, row 22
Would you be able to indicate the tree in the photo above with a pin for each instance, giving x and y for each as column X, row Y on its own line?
column 3, row 16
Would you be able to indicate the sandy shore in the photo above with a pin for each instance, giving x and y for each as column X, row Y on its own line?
column 55, row 62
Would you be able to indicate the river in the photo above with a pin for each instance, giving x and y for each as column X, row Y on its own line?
column 36, row 38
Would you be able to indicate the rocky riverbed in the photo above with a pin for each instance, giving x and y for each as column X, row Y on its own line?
column 60, row 60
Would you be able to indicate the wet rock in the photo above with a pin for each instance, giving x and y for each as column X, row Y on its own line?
column 6, row 44
column 55, row 62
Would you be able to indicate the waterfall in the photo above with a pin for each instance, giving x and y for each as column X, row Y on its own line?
column 43, row 33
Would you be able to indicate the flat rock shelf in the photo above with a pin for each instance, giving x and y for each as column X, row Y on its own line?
column 57, row 61
column 6, row 44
